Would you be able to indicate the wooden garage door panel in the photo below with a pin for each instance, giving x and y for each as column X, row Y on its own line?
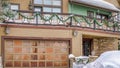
column 36, row 53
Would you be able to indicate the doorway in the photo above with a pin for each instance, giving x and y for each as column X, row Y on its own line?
column 87, row 46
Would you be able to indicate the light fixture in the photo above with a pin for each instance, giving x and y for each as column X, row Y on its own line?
column 75, row 33
column 7, row 30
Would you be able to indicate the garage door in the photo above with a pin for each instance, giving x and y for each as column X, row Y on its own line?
column 36, row 54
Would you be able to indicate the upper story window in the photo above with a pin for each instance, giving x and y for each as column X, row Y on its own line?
column 48, row 2
column 37, row 9
column 90, row 14
column 37, row 1
column 118, row 16
column 14, row 7
column 48, row 5
column 101, row 16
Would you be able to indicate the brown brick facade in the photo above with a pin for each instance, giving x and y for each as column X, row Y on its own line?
column 24, row 4
column 104, row 44
column 102, row 40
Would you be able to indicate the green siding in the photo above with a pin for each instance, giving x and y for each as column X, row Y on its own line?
column 82, row 10
column 77, row 9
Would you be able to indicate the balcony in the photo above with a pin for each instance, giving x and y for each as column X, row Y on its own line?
column 60, row 19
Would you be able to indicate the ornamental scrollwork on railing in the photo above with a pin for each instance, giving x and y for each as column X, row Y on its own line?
column 77, row 20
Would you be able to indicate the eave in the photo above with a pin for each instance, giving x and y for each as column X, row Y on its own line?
column 95, row 6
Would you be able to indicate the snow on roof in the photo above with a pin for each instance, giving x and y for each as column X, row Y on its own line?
column 98, row 3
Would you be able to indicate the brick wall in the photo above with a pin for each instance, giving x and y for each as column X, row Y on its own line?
column 24, row 4
column 101, row 45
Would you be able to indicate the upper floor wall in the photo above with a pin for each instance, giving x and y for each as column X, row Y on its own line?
column 23, row 5
column 42, row 5
column 62, row 6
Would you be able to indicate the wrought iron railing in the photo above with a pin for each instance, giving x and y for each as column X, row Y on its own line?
column 60, row 19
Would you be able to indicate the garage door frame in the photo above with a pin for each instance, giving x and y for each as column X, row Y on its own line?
column 3, row 38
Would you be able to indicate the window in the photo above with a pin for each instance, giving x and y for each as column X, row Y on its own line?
column 118, row 17
column 37, row 1
column 37, row 9
column 47, row 2
column 98, row 16
column 57, row 2
column 14, row 7
column 90, row 14
column 101, row 16
column 47, row 9
column 48, row 5
column 57, row 10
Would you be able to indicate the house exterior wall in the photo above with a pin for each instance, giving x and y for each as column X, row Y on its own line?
column 24, row 5
column 104, row 44
column 65, row 6
column 102, row 40
column 47, row 33
column 64, row 33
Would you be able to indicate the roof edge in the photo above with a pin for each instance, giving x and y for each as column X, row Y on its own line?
column 89, row 5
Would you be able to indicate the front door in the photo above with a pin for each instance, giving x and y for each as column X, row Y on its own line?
column 87, row 46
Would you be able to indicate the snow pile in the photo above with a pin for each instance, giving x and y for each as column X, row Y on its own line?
column 98, row 3
column 71, row 56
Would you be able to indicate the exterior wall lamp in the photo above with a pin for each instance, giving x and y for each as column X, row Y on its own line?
column 75, row 33
column 7, row 30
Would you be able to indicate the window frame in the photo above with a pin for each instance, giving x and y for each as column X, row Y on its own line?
column 118, row 16
column 17, row 17
column 38, row 7
column 15, row 4
column 91, row 12
column 102, row 15
column 49, row 6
